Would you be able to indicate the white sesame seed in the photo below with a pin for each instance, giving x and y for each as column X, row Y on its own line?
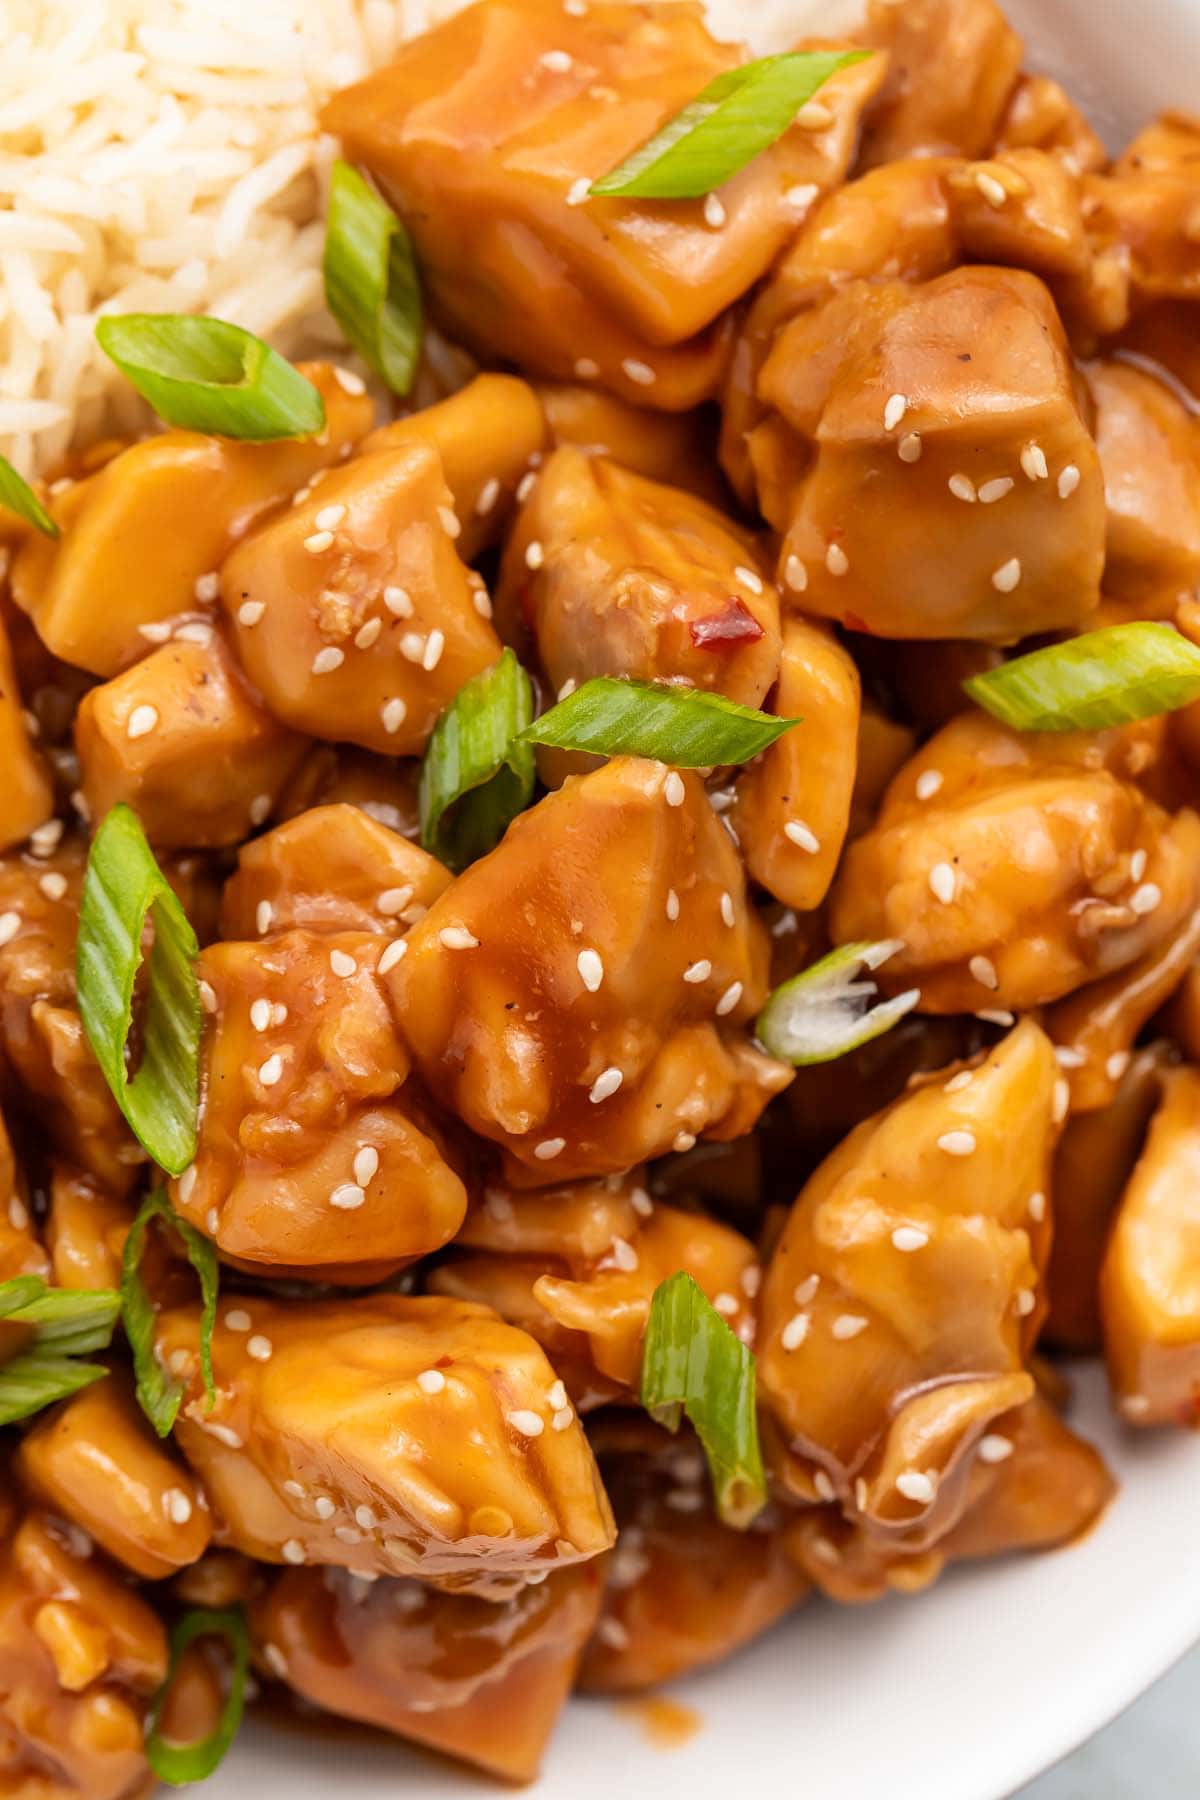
column 795, row 574
column 264, row 915
column 1061, row 1103
column 698, row 971
column 44, row 841
column 795, row 1331
column 798, row 833
column 177, row 1506
column 586, row 369
column 434, row 645
column 529, row 1424
column 224, row 1434
column 996, row 1016
column 526, row 485
column 317, row 542
column 639, row 372
column 155, row 632
column 728, row 915
column 991, row 491
column 714, row 212
column 556, row 1396
column 549, row 1148
column 915, row 1486
column 622, row 1255
column 368, row 633
column 806, row 1291
column 910, row 447
column 207, row 587
column 748, row 578
column 1007, row 576
column 208, row 998
column 928, row 783
column 1068, row 481
column 993, row 191
column 251, row 611
column 557, row 60
column 1037, row 1207
column 579, row 191
column 364, row 1517
column 726, row 1305
column 346, row 1534
column 270, row 1071
column 481, row 602
column 1024, row 1301
column 237, row 1319
column 943, row 883
column 349, row 382
column 562, row 1418
column 750, row 1280
column 327, row 660
column 366, row 1165
column 487, row 497
column 848, row 1325
column 963, row 488
column 79, row 801
column 814, row 115
column 393, row 900
column 983, row 970
column 260, row 806
column 392, row 715
column 398, row 603
column 1145, row 898
column 672, row 905
column 894, row 411
column 995, row 1449
column 279, row 1013
column 1116, row 1065
column 10, row 924
column 341, row 964
column 683, row 1141
column 909, row 1238
column 802, row 195
column 194, row 633
column 1034, row 464
column 836, row 560
column 957, row 1143
column 260, row 1014
column 591, row 969
column 52, row 884
column 448, row 520
column 392, row 955
column 535, row 556
column 1068, row 1058
column 187, row 1182
column 412, row 646
column 641, row 1203
column 259, row 1348
column 729, row 999
column 141, row 720
column 347, row 1196
column 293, row 1551
column 330, row 517
column 605, row 1085
column 18, row 1213
column 431, row 1381
column 457, row 937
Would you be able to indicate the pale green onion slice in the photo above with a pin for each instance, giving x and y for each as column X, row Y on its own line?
column 65, row 1324
column 158, row 1392
column 687, row 727
column 693, row 1363
column 826, row 1010
column 18, row 497
column 70, row 1321
column 371, row 284
column 207, row 375
column 181, row 1764
column 727, row 125
column 1109, row 677
column 36, row 1380
column 477, row 774
column 122, row 885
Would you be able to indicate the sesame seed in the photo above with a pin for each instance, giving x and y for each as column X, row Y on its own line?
column 434, row 645
column 991, row 491
column 836, row 560
column 293, row 1551
column 341, row 964
column 1068, row 481
column 556, row 1396
column 317, row 542
column 729, row 999
column 1061, row 1103
column 1007, row 576
column 260, row 1014
column 194, row 633
column 177, row 1506
column 487, row 497
column 714, row 212
column 910, row 447
column 698, row 971
column 327, row 660
column 141, row 720
column 957, row 1143
column 928, row 783
column 995, row 1449
column 557, row 60
column 346, row 1534
column 983, row 970
column 802, row 195
column 1137, row 865
column 392, row 955
column 1067, row 1058
column 330, row 517
column 18, row 1213
column 398, row 603
column 260, row 806
column 10, row 924
column 349, row 382
column 270, row 1071
column 529, row 1424
column 187, row 1182
column 393, row 900
column 207, row 587
column 567, row 689
column 549, row 1148
column 674, row 792
column 457, row 937
column 814, row 115
column 392, row 715
column 79, row 801
column 806, row 1290
column 1037, row 1207
column 638, row 372
column 795, row 574
column 412, row 647
column 431, row 1381
column 750, row 1280
column 748, row 578
column 591, row 969
column 347, row 1196
column 894, row 411
column 526, row 485
column 672, row 905
column 251, row 611
column 823, row 1486
column 943, row 883
column 848, row 1325
column 726, row 1305
column 683, row 1141
column 996, row 1016
column 1033, row 462
column 586, row 369
column 264, row 915
column 909, row 1238
column 226, row 1435
column 1145, row 898
column 1116, row 1065
column 259, row 1348
column 915, row 1486
column 46, row 838
column 53, row 885
column 366, row 1164
column 605, row 1085
column 208, row 998
column 963, row 488
column 1024, row 1301
column 728, row 915
column 623, row 1255
column 641, row 1203
column 795, row 1331
column 579, row 191
column 367, row 633
column 993, row 191
column 364, row 1517
column 535, row 556
column 798, row 833
column 448, row 519
column 481, row 602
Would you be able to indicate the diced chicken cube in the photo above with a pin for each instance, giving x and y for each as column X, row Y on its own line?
column 952, row 68
column 28, row 799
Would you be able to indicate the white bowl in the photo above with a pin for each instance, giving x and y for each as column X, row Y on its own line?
column 970, row 1690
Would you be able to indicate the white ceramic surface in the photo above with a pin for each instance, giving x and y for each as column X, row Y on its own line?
column 969, row 1691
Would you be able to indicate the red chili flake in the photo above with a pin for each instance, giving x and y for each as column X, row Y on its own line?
column 734, row 624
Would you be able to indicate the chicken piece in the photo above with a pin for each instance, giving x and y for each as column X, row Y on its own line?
column 332, row 868
column 617, row 575
column 479, row 1681
column 86, row 1229
column 81, row 1654
column 391, row 1436
column 485, row 134
column 384, row 787
column 28, row 788
column 1149, row 445
column 1093, row 1162
column 1145, row 208
column 20, row 1251
column 95, row 1460
column 792, row 804
column 181, row 739
column 1031, row 864
column 578, row 995
column 40, row 1030
column 1150, row 1283
column 905, row 1292
column 1096, row 1027
column 683, row 1589
column 142, row 537
column 1042, row 116
column 952, row 69
column 352, row 613
column 676, row 448
column 310, row 1157
column 487, row 435
column 601, row 1290
column 907, row 403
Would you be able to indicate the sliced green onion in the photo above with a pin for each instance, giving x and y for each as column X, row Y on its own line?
column 179, row 1764
column 159, row 1393
column 371, row 284
column 123, row 883
column 1109, row 677
column 687, row 727
column 70, row 1321
column 727, row 125
column 207, row 375
column 65, row 1324
column 826, row 1011
column 693, row 1363
column 477, row 774
column 18, row 497
column 19, row 1293
column 34, row 1380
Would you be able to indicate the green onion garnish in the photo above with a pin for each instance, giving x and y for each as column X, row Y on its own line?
column 17, row 495
column 1109, row 677
column 727, row 125
column 477, row 774
column 159, row 1393
column 207, row 375
column 123, row 883
column 693, row 1363
column 687, row 727
column 371, row 284
column 65, row 1325
column 179, row 1764
column 826, row 1011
